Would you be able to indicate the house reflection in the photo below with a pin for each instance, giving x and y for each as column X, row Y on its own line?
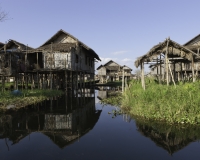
column 170, row 138
column 107, row 91
column 63, row 120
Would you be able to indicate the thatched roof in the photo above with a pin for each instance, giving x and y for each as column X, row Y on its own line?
column 193, row 47
column 1, row 44
column 106, row 65
column 174, row 50
column 111, row 61
column 126, row 67
column 63, row 47
column 112, row 68
column 188, row 43
column 55, row 36
column 20, row 46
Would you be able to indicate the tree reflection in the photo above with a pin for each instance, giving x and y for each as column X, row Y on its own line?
column 171, row 138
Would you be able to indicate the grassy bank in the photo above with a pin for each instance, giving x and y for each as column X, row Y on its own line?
column 26, row 98
column 164, row 103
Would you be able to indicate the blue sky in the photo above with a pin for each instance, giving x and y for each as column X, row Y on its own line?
column 119, row 30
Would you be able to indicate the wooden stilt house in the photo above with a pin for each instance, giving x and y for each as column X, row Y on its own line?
column 167, row 54
column 12, row 59
column 61, row 62
column 111, row 71
column 194, row 45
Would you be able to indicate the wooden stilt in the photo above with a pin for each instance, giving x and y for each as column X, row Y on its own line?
column 197, row 69
column 172, row 76
column 160, row 70
column 142, row 75
column 166, row 63
column 122, row 80
column 193, row 76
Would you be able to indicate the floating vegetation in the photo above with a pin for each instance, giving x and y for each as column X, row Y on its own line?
column 27, row 97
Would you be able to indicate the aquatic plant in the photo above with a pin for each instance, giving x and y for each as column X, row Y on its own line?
column 164, row 103
column 27, row 97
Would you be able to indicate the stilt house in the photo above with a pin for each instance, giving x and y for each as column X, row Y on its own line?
column 12, row 58
column 111, row 71
column 181, row 67
column 60, row 59
column 167, row 54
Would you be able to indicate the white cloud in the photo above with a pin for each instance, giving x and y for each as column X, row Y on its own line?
column 119, row 52
column 127, row 60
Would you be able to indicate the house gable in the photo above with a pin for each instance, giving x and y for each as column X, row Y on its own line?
column 112, row 63
column 193, row 41
column 126, row 68
column 60, row 37
column 14, row 45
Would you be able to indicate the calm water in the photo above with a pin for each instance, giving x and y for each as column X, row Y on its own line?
column 81, row 128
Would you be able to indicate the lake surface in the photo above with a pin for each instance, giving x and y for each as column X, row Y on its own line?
column 81, row 128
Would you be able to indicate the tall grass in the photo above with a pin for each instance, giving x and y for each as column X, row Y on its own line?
column 164, row 103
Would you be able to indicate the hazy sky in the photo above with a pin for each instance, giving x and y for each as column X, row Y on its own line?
column 121, row 30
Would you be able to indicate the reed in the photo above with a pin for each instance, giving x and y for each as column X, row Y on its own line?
column 164, row 103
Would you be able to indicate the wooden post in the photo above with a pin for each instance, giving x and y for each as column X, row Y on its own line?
column 193, row 77
column 157, row 69
column 51, row 67
column 142, row 75
column 172, row 75
column 197, row 69
column 166, row 63
column 37, row 72
column 174, row 64
column 123, row 80
column 66, row 80
column 182, row 78
column 160, row 70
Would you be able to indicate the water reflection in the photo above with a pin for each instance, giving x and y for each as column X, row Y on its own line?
column 107, row 91
column 63, row 119
column 171, row 138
